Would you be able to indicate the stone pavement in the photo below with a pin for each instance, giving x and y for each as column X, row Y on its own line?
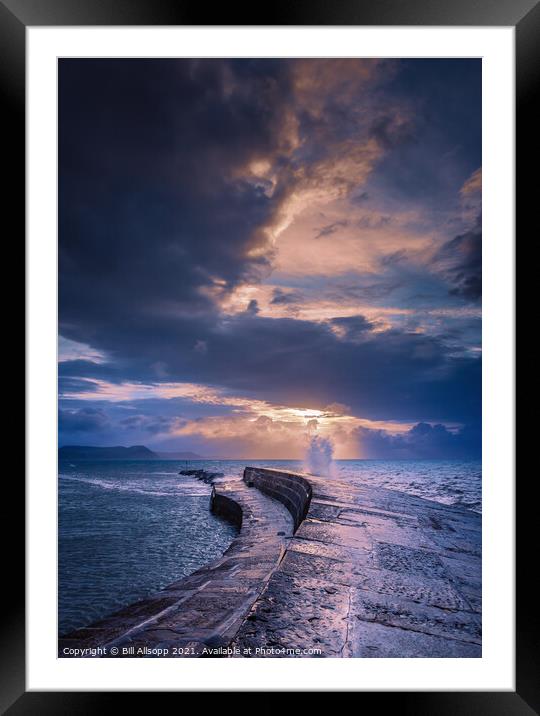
column 207, row 608
column 372, row 572
column 369, row 572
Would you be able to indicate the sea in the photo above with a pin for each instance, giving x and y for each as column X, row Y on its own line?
column 129, row 528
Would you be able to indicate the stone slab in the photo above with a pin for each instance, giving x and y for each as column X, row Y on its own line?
column 368, row 573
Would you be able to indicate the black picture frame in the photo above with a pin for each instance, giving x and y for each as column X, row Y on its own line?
column 15, row 16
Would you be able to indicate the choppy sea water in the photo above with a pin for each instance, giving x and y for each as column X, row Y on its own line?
column 127, row 529
column 452, row 482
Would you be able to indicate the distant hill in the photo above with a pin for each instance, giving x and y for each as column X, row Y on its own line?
column 88, row 452
column 180, row 456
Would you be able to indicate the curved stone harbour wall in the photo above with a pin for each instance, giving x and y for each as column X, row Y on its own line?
column 204, row 610
column 324, row 568
column 226, row 507
column 290, row 489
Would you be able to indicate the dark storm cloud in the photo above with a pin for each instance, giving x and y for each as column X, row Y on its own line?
column 80, row 376
column 90, row 369
column 76, row 384
column 447, row 125
column 423, row 441
column 352, row 327
column 460, row 260
column 151, row 215
column 378, row 374
column 88, row 424
column 149, row 424
column 252, row 308
column 82, row 420
column 280, row 297
column 157, row 222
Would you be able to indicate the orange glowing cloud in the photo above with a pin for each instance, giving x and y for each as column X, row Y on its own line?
column 473, row 183
column 254, row 428
column 330, row 240
column 285, row 435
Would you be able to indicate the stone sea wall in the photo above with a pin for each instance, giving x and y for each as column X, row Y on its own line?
column 226, row 507
column 320, row 567
column 200, row 614
column 290, row 489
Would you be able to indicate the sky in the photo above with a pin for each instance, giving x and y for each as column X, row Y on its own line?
column 254, row 252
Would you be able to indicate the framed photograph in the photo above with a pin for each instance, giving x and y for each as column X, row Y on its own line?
column 270, row 276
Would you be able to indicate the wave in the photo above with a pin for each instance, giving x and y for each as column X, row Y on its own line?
column 178, row 489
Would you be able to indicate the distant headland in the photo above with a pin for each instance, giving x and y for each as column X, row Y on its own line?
column 119, row 452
